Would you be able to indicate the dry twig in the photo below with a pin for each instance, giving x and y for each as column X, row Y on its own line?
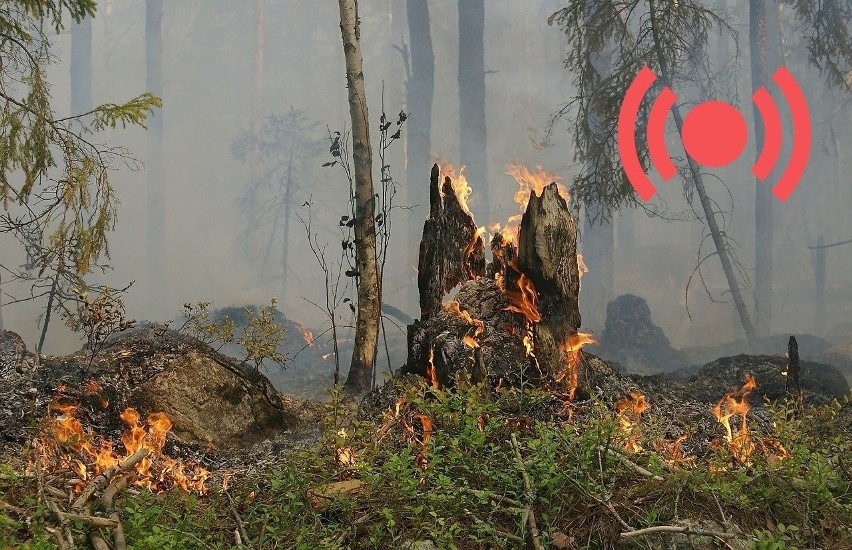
column 100, row 481
column 683, row 529
column 630, row 464
column 530, row 495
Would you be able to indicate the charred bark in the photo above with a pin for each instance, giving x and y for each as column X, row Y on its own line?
column 450, row 252
column 547, row 253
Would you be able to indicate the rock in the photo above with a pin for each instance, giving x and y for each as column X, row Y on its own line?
column 820, row 382
column 840, row 356
column 810, row 347
column 13, row 353
column 632, row 340
column 211, row 399
column 323, row 497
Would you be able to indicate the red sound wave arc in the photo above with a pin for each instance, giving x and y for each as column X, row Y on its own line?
column 713, row 134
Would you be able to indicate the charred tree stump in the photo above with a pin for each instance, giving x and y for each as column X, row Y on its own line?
column 547, row 255
column 793, row 385
column 451, row 251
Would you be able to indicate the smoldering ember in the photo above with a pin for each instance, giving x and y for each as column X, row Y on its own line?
column 299, row 292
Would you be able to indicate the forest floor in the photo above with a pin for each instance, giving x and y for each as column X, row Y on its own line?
column 472, row 469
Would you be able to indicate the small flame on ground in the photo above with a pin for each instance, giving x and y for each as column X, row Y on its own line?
column 629, row 411
column 307, row 335
column 732, row 404
column 156, row 472
column 672, row 450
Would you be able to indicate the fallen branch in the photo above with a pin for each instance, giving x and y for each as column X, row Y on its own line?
column 104, row 478
column 106, row 501
column 12, row 508
column 242, row 536
column 682, row 529
column 529, row 495
column 630, row 464
column 499, row 498
column 95, row 521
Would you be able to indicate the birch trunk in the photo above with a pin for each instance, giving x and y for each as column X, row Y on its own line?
column 369, row 310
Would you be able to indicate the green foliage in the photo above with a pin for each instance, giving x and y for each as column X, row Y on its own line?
column 57, row 197
column 199, row 325
column 261, row 336
column 98, row 317
column 609, row 41
column 462, row 486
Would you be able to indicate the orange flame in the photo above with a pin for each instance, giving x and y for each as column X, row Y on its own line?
column 470, row 342
column 524, row 300
column 460, row 185
column 528, row 182
column 733, row 404
column 307, row 335
column 431, row 372
column 156, row 472
column 672, row 450
column 629, row 410
column 572, row 355
column 454, row 308
column 471, row 248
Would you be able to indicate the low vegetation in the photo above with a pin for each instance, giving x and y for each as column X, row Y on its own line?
column 465, row 469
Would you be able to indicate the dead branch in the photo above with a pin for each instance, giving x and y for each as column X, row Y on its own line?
column 241, row 533
column 499, row 498
column 95, row 521
column 630, row 464
column 12, row 508
column 529, row 495
column 683, row 529
column 99, row 482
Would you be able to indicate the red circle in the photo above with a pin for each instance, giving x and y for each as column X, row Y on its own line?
column 714, row 133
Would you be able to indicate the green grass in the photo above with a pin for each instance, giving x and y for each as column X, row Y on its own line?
column 451, row 490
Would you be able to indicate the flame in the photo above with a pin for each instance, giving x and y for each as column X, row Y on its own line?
column 307, row 335
column 572, row 355
column 426, row 424
column 157, row 472
column 529, row 345
column 528, row 182
column 524, row 300
column 672, row 450
column 327, row 355
column 470, row 249
column 732, row 404
column 629, row 410
column 454, row 308
column 344, row 455
column 431, row 372
column 460, row 185
column 470, row 342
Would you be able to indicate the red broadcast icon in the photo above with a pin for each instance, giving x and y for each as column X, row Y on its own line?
column 714, row 133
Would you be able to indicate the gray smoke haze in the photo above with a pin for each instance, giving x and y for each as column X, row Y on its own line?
column 208, row 60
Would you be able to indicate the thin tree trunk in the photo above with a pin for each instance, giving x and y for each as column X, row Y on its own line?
column 472, row 134
column 819, row 279
column 54, row 287
column 1, row 301
column 763, row 201
column 81, row 66
column 706, row 204
column 369, row 301
column 288, row 207
column 420, row 91
column 155, row 167
column 257, row 90
column 598, row 254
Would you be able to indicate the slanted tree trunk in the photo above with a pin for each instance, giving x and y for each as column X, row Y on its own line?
column 155, row 164
column 701, row 191
column 472, row 149
column 369, row 301
column 764, row 201
column 420, row 90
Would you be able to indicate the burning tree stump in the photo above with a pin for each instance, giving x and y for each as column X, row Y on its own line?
column 452, row 250
column 516, row 317
column 547, row 255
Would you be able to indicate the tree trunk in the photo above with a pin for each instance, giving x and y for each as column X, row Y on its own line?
column 819, row 294
column 81, row 66
column 155, row 165
column 420, row 90
column 369, row 308
column 257, row 90
column 598, row 254
column 706, row 204
column 763, row 201
column 472, row 149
